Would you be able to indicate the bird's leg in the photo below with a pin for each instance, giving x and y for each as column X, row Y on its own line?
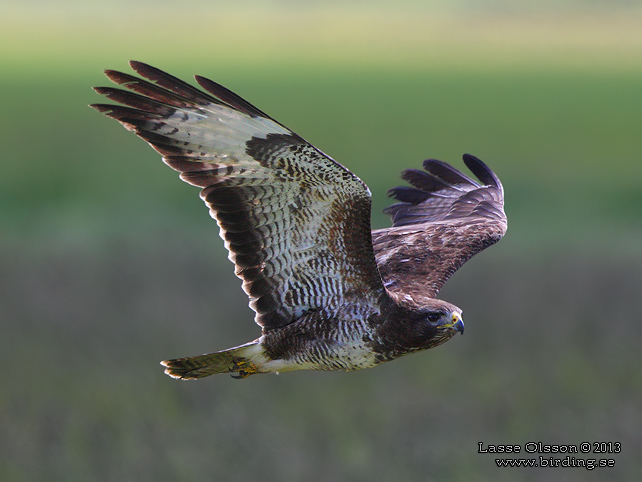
column 243, row 367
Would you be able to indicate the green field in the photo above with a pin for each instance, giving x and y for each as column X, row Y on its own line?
column 109, row 263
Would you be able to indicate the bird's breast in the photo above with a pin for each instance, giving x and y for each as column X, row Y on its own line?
column 337, row 345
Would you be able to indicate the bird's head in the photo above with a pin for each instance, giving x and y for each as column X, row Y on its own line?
column 426, row 323
column 439, row 322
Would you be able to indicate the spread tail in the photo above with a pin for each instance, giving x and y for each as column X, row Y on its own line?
column 244, row 360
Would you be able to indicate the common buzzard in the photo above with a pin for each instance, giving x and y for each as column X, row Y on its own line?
column 328, row 293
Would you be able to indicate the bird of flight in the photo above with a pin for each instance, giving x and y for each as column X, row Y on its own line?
column 329, row 293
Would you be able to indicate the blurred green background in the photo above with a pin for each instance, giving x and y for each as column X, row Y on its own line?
column 109, row 263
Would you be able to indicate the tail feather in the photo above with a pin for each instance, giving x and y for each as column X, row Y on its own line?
column 239, row 359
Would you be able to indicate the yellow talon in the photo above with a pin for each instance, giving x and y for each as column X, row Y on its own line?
column 243, row 367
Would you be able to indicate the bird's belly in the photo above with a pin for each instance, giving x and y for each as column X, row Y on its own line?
column 347, row 351
column 353, row 355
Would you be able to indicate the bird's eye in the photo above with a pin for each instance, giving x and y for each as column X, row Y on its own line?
column 433, row 317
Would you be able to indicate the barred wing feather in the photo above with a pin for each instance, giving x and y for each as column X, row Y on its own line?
column 295, row 222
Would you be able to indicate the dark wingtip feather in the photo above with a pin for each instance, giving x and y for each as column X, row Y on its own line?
column 131, row 99
column 482, row 171
column 424, row 180
column 137, row 65
column 114, row 111
column 408, row 194
column 130, row 118
column 118, row 77
column 171, row 83
column 100, row 107
column 229, row 97
column 153, row 73
column 435, row 192
column 447, row 173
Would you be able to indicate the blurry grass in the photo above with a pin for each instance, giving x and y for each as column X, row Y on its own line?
column 335, row 35
column 550, row 353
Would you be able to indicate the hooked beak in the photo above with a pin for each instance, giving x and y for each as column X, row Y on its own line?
column 458, row 323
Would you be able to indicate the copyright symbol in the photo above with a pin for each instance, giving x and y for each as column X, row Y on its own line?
column 585, row 447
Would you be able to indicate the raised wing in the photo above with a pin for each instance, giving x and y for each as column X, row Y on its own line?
column 440, row 223
column 295, row 222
